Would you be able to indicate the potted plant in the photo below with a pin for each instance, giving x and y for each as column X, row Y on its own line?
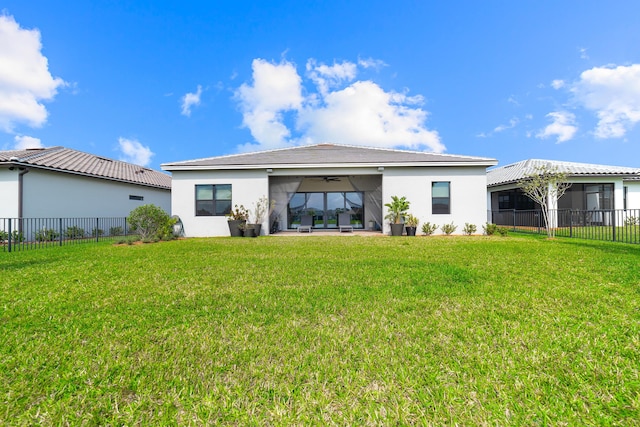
column 237, row 220
column 397, row 210
column 411, row 225
column 261, row 210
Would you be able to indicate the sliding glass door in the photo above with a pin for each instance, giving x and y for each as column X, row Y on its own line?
column 325, row 208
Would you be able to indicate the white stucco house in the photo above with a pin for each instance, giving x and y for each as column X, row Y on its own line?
column 325, row 180
column 59, row 182
column 594, row 188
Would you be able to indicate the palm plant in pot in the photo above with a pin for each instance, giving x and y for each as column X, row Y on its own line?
column 411, row 225
column 237, row 219
column 397, row 210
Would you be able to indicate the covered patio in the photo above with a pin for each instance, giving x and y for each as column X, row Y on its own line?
column 324, row 199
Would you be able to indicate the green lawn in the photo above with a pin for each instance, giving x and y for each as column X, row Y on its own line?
column 317, row 330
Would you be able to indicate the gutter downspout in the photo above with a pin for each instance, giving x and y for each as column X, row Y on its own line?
column 21, row 174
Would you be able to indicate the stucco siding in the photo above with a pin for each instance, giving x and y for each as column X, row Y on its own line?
column 467, row 194
column 246, row 188
column 633, row 194
column 53, row 194
column 8, row 193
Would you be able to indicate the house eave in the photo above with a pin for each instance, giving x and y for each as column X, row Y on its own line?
column 483, row 163
column 18, row 164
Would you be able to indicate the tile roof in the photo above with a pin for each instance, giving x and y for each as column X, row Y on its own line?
column 516, row 171
column 77, row 162
column 327, row 155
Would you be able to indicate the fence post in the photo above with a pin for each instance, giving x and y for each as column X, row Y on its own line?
column 570, row 223
column 60, row 228
column 514, row 220
column 97, row 229
column 613, row 224
column 9, row 237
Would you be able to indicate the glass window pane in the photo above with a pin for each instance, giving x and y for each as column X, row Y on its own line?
column 223, row 207
column 204, row 192
column 204, row 208
column 440, row 189
column 223, row 192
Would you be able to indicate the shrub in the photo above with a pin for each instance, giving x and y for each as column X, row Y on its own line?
column 116, row 231
column 151, row 222
column 448, row 228
column 490, row 229
column 428, row 228
column 46, row 235
column 503, row 231
column 97, row 232
column 632, row 220
column 74, row 232
column 469, row 229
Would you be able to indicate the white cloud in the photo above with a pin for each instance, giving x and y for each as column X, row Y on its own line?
column 512, row 123
column 327, row 77
column 583, row 53
column 25, row 80
column 23, row 142
column 276, row 89
column 364, row 114
column 134, row 152
column 557, row 84
column 341, row 111
column 562, row 126
column 371, row 63
column 614, row 94
column 189, row 100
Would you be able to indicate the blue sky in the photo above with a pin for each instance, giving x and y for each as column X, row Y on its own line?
column 153, row 82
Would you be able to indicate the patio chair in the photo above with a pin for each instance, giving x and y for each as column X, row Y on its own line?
column 306, row 222
column 344, row 222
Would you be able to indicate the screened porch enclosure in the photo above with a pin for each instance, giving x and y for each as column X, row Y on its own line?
column 325, row 207
column 324, row 199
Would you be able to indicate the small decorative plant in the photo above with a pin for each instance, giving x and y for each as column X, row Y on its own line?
column 262, row 209
column 490, row 229
column 238, row 213
column 46, row 235
column 632, row 220
column 428, row 228
column 116, row 231
column 448, row 228
column 411, row 221
column 74, row 232
column 469, row 229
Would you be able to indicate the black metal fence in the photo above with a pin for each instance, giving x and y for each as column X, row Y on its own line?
column 603, row 224
column 18, row 234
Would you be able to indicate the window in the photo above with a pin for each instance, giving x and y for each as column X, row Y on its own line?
column 440, row 198
column 132, row 197
column 213, row 200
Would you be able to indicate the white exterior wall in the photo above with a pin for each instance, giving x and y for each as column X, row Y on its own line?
column 8, row 193
column 246, row 188
column 468, row 191
column 633, row 194
column 61, row 195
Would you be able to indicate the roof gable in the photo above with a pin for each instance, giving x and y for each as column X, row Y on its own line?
column 77, row 162
column 327, row 155
column 516, row 171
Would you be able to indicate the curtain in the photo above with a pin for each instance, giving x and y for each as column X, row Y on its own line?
column 371, row 185
column 281, row 190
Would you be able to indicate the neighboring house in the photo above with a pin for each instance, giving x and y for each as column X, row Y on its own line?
column 593, row 187
column 59, row 182
column 325, row 180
